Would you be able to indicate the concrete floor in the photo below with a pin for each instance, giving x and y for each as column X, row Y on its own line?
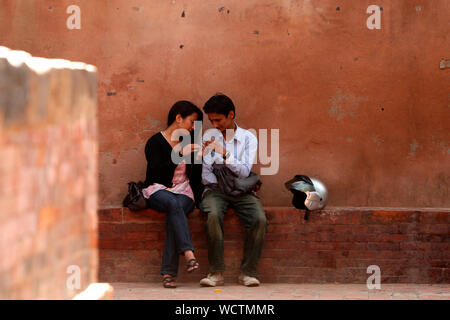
column 277, row 291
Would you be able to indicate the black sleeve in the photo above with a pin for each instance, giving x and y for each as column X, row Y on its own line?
column 159, row 168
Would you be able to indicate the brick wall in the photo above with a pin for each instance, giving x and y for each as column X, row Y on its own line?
column 334, row 245
column 48, row 176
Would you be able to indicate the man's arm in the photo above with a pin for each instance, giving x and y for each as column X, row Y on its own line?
column 243, row 165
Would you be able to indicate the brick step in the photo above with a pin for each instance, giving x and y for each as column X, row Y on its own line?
column 334, row 245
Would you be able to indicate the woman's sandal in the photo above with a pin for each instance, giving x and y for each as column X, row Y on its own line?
column 168, row 282
column 192, row 265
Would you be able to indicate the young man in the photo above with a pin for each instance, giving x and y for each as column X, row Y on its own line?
column 236, row 148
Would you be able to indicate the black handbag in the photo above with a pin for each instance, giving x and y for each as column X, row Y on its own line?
column 135, row 200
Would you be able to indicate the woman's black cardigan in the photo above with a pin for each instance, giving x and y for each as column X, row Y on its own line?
column 160, row 167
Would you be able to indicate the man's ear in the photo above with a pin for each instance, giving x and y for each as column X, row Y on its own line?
column 231, row 115
column 178, row 118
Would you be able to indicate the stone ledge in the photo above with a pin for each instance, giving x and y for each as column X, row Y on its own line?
column 336, row 215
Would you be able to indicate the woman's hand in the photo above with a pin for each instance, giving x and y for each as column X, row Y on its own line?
column 188, row 149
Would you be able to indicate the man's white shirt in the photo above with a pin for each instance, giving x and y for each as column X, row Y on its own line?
column 242, row 149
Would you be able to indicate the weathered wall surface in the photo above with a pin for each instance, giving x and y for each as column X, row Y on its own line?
column 366, row 111
column 48, row 177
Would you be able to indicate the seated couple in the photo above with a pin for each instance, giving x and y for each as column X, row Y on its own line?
column 177, row 188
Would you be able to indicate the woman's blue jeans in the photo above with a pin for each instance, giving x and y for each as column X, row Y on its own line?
column 178, row 236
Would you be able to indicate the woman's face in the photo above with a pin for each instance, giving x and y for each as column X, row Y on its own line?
column 188, row 122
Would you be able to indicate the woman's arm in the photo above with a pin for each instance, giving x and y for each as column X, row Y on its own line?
column 159, row 166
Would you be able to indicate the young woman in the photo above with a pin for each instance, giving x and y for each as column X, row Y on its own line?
column 175, row 188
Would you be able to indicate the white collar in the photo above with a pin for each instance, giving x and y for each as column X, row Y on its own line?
column 238, row 133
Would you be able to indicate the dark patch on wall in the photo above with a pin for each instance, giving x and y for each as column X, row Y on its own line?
column 111, row 94
column 222, row 9
column 256, row 32
column 14, row 89
column 181, row 46
column 183, row 14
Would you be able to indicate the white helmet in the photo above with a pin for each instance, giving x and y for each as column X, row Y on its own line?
column 309, row 193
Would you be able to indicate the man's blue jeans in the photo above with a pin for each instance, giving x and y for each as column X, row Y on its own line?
column 178, row 236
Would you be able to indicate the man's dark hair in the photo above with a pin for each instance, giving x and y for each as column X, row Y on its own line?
column 219, row 103
column 183, row 108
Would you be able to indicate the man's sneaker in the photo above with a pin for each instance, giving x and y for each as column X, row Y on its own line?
column 212, row 280
column 248, row 281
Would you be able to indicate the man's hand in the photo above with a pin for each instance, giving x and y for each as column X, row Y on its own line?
column 213, row 145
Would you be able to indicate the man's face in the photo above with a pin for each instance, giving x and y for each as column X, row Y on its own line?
column 221, row 122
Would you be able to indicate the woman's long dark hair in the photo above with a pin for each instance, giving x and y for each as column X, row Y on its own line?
column 183, row 108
